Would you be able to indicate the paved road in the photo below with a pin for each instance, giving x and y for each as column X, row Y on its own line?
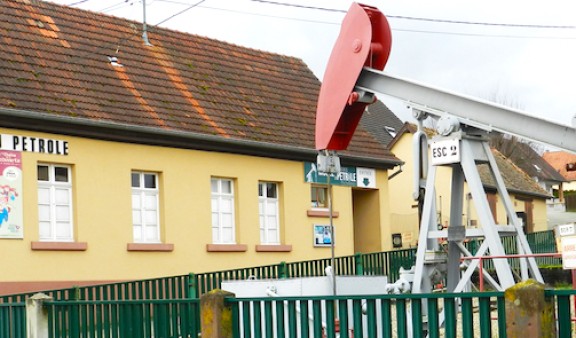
column 556, row 217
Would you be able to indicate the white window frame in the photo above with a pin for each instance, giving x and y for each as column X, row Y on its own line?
column 269, row 214
column 223, row 211
column 55, row 208
column 145, row 201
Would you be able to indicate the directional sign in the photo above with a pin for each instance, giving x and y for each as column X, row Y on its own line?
column 365, row 177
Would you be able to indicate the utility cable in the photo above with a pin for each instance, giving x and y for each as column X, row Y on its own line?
column 182, row 11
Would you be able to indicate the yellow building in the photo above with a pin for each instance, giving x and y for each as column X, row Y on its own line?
column 189, row 155
column 528, row 198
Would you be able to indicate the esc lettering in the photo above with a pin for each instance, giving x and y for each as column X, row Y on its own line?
column 444, row 151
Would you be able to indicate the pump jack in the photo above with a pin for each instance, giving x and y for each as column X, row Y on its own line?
column 353, row 76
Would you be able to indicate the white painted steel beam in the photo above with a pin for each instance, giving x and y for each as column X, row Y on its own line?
column 478, row 112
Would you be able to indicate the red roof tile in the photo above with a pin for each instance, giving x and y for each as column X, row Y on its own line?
column 558, row 160
column 54, row 60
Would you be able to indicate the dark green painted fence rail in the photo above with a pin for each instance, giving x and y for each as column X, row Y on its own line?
column 12, row 311
column 127, row 318
column 370, row 316
column 465, row 315
column 13, row 320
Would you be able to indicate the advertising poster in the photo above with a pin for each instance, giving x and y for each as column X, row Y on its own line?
column 11, row 213
column 322, row 235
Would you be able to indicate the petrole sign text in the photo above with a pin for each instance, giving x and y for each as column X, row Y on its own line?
column 348, row 176
column 33, row 144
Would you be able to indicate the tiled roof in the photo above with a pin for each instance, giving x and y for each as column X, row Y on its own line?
column 55, row 60
column 558, row 160
column 515, row 179
column 381, row 122
column 525, row 157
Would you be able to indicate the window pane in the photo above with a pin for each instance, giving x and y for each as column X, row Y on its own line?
column 137, row 233
column 151, row 217
column 214, row 185
column 136, row 217
column 150, row 202
column 271, row 190
column 226, row 205
column 260, row 189
column 62, row 196
column 151, row 234
column 61, row 174
column 226, row 186
column 44, row 213
column 150, row 181
column 43, row 195
column 45, row 232
column 43, row 173
column 62, row 213
column 136, row 201
column 318, row 195
column 63, row 230
column 135, row 180
column 227, row 235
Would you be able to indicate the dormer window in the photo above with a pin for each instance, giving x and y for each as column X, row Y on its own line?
column 390, row 130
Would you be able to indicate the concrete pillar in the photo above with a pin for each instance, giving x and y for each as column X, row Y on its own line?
column 37, row 316
column 216, row 316
column 528, row 313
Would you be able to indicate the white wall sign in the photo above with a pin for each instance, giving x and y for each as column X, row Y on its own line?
column 365, row 177
column 33, row 144
column 568, row 244
column 565, row 229
column 445, row 151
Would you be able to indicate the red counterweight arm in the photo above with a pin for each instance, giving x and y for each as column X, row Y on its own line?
column 364, row 41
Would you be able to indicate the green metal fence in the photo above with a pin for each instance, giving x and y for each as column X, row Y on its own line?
column 13, row 320
column 12, row 310
column 464, row 315
column 126, row 318
column 443, row 315
column 173, row 287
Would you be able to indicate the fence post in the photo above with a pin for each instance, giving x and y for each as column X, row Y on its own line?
column 282, row 273
column 36, row 317
column 215, row 314
column 529, row 314
column 359, row 260
column 192, row 289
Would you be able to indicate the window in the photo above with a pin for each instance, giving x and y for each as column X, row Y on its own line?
column 319, row 196
column 145, row 210
column 268, row 212
column 55, row 203
column 222, row 211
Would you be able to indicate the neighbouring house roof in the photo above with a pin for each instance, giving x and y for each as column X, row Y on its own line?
column 558, row 160
column 525, row 157
column 381, row 122
column 81, row 73
column 515, row 179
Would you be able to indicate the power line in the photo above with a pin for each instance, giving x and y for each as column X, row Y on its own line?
column 182, row 11
column 422, row 19
column 77, row 3
column 121, row 4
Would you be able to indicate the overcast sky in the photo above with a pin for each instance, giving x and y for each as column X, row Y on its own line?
column 520, row 53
